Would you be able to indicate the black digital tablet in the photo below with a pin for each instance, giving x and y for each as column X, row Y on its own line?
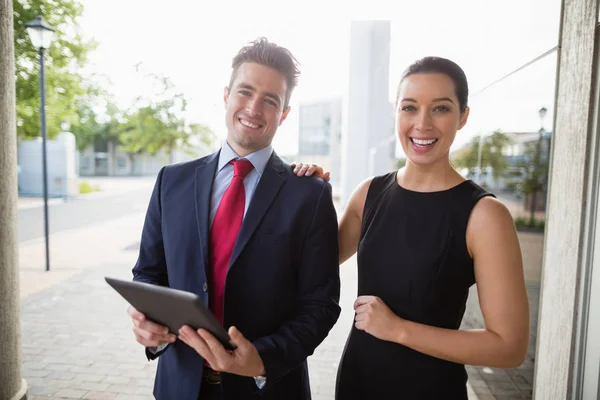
column 171, row 307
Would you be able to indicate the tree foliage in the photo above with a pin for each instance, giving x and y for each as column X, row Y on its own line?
column 65, row 81
column 159, row 124
column 491, row 154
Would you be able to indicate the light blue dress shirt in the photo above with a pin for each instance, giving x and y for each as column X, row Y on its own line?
column 259, row 160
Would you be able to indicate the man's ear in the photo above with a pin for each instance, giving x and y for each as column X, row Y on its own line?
column 226, row 92
column 284, row 115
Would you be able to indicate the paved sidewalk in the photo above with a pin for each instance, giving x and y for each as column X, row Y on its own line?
column 24, row 203
column 75, row 333
column 108, row 186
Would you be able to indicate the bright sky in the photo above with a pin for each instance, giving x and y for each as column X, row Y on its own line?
column 193, row 44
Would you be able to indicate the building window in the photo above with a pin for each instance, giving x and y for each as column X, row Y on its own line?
column 121, row 162
column 85, row 163
column 101, row 146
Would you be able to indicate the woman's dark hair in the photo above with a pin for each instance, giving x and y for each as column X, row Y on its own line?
column 441, row 66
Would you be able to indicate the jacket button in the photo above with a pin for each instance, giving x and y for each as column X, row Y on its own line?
column 205, row 287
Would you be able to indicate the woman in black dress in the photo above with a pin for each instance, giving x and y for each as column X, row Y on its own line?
column 424, row 235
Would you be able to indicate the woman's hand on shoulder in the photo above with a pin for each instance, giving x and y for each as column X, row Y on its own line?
column 301, row 169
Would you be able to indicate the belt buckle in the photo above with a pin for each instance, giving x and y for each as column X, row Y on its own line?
column 211, row 376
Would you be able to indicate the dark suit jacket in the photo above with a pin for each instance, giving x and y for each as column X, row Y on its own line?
column 282, row 288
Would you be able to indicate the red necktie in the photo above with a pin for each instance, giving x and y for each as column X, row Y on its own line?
column 225, row 228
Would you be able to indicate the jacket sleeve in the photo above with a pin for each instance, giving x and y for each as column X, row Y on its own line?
column 151, row 266
column 318, row 287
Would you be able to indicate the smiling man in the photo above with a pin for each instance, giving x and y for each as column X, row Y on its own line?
column 257, row 243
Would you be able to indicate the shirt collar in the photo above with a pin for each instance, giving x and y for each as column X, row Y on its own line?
column 258, row 159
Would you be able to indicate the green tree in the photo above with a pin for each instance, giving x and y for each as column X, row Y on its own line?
column 135, row 134
column 535, row 168
column 158, row 124
column 64, row 60
column 491, row 154
column 96, row 122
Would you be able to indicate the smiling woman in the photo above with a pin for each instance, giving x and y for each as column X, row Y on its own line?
column 424, row 235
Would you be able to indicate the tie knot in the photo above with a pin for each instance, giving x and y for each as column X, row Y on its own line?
column 241, row 168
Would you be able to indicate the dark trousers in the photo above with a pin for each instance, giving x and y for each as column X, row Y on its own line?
column 210, row 392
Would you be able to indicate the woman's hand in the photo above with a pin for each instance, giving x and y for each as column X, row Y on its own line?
column 301, row 169
column 375, row 317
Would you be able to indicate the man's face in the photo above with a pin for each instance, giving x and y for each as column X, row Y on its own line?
column 254, row 106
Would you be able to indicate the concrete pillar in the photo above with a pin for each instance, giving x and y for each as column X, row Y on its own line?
column 12, row 386
column 569, row 215
column 367, row 147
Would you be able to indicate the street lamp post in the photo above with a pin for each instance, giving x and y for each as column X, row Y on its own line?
column 41, row 35
column 542, row 112
column 536, row 168
column 545, row 148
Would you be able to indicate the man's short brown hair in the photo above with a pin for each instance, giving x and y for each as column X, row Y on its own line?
column 263, row 52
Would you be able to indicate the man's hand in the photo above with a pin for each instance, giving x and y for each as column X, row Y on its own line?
column 244, row 360
column 301, row 169
column 148, row 333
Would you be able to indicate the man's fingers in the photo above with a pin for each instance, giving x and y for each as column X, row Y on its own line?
column 150, row 339
column 165, row 338
column 135, row 314
column 147, row 343
column 237, row 338
column 153, row 327
column 222, row 356
column 140, row 321
column 192, row 339
column 146, row 332
column 327, row 176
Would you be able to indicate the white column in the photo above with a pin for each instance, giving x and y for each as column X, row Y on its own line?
column 568, row 234
column 368, row 120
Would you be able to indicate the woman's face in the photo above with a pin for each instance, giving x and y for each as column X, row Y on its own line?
column 428, row 116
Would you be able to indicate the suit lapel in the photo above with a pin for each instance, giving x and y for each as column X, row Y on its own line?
column 266, row 191
column 205, row 176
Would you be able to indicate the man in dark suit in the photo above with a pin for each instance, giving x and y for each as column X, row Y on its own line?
column 255, row 242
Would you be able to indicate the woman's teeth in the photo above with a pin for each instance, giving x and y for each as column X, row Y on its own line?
column 423, row 143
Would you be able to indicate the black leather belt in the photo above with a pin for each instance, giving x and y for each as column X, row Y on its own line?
column 211, row 376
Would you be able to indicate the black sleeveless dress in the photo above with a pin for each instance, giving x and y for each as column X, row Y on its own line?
column 413, row 255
